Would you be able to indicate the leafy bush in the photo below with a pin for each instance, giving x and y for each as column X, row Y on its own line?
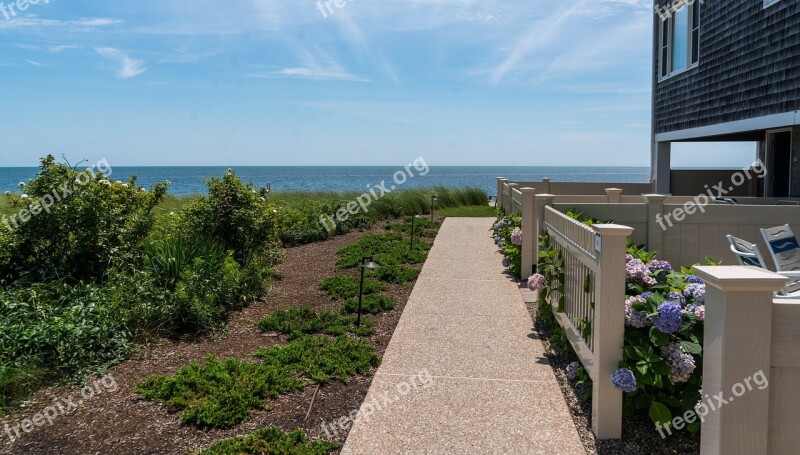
column 507, row 232
column 398, row 274
column 322, row 359
column 385, row 249
column 221, row 393
column 345, row 287
column 373, row 304
column 272, row 441
column 96, row 225
column 17, row 380
column 296, row 322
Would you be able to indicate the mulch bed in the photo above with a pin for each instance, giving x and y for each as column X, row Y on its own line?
column 123, row 423
column 638, row 432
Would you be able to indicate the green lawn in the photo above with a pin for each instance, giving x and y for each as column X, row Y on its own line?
column 469, row 211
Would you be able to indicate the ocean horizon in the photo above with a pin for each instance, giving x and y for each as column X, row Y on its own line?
column 188, row 180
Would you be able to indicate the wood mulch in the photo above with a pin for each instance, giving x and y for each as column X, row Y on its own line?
column 121, row 422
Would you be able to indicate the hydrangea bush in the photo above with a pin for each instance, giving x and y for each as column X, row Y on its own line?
column 661, row 370
column 508, row 236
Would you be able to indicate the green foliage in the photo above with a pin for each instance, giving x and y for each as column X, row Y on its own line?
column 322, row 359
column 397, row 274
column 372, row 304
column 96, row 225
column 296, row 322
column 272, row 441
column 345, row 287
column 510, row 251
column 219, row 394
column 17, row 380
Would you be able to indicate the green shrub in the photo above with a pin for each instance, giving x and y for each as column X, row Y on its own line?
column 296, row 322
column 345, row 287
column 100, row 225
column 422, row 227
column 272, row 441
column 385, row 249
column 373, row 304
column 398, row 274
column 322, row 359
column 220, row 394
column 168, row 258
column 17, row 381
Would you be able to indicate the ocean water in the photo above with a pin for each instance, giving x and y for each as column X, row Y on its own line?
column 189, row 180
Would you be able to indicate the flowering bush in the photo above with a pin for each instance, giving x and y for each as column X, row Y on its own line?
column 508, row 235
column 536, row 282
column 661, row 370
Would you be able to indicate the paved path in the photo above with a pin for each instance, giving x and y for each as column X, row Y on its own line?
column 461, row 375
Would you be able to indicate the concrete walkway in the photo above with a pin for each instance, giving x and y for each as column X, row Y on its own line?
column 461, row 375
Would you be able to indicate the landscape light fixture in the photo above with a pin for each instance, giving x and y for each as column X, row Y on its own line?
column 366, row 263
column 433, row 200
column 413, row 218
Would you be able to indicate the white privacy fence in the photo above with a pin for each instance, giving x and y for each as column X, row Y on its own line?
column 588, row 306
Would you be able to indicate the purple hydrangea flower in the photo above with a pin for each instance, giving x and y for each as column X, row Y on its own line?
column 637, row 272
column 681, row 363
column 497, row 240
column 501, row 224
column 660, row 269
column 572, row 370
column 634, row 318
column 628, row 258
column 678, row 297
column 693, row 279
column 670, row 317
column 700, row 313
column 646, row 295
column 624, row 380
column 536, row 282
column 697, row 291
column 516, row 237
column 506, row 262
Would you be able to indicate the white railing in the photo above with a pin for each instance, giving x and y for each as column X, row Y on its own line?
column 590, row 308
column 516, row 201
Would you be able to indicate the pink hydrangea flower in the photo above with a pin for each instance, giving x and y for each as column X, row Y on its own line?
column 536, row 282
column 700, row 313
column 516, row 237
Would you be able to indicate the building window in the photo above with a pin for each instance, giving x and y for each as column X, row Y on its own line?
column 679, row 37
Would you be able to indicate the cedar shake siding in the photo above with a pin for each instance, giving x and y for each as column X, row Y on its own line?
column 749, row 66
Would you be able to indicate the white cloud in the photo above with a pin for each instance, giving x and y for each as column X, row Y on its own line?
column 128, row 67
column 75, row 25
column 35, row 63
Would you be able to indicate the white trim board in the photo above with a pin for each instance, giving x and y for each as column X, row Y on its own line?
column 740, row 126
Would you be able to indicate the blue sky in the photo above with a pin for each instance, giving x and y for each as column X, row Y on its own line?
column 376, row 82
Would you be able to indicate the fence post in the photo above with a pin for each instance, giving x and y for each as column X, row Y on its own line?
column 500, row 182
column 655, row 212
column 546, row 185
column 530, row 239
column 737, row 345
column 609, row 329
column 541, row 201
column 510, row 201
column 614, row 195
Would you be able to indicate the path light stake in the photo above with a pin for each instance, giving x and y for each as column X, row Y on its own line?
column 413, row 218
column 433, row 199
column 366, row 263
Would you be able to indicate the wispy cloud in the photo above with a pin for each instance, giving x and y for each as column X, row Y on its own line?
column 128, row 67
column 35, row 63
column 86, row 24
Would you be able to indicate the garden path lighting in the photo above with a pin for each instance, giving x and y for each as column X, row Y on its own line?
column 366, row 263
column 413, row 218
column 433, row 200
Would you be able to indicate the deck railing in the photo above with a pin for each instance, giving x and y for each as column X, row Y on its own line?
column 590, row 309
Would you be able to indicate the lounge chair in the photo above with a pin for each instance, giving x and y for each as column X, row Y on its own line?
column 785, row 252
column 746, row 253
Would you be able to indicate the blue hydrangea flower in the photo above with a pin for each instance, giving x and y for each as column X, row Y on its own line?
column 646, row 295
column 660, row 269
column 624, row 380
column 572, row 370
column 633, row 317
column 681, row 363
column 697, row 291
column 677, row 296
column 497, row 240
column 670, row 317
column 506, row 262
column 693, row 279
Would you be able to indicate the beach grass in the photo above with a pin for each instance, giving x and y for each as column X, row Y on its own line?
column 468, row 211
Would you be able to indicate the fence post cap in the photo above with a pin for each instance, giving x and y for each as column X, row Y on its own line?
column 654, row 196
column 613, row 230
column 528, row 190
column 545, row 196
column 502, row 178
column 739, row 278
column 614, row 190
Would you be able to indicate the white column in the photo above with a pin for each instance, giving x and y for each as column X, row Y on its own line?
column 530, row 236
